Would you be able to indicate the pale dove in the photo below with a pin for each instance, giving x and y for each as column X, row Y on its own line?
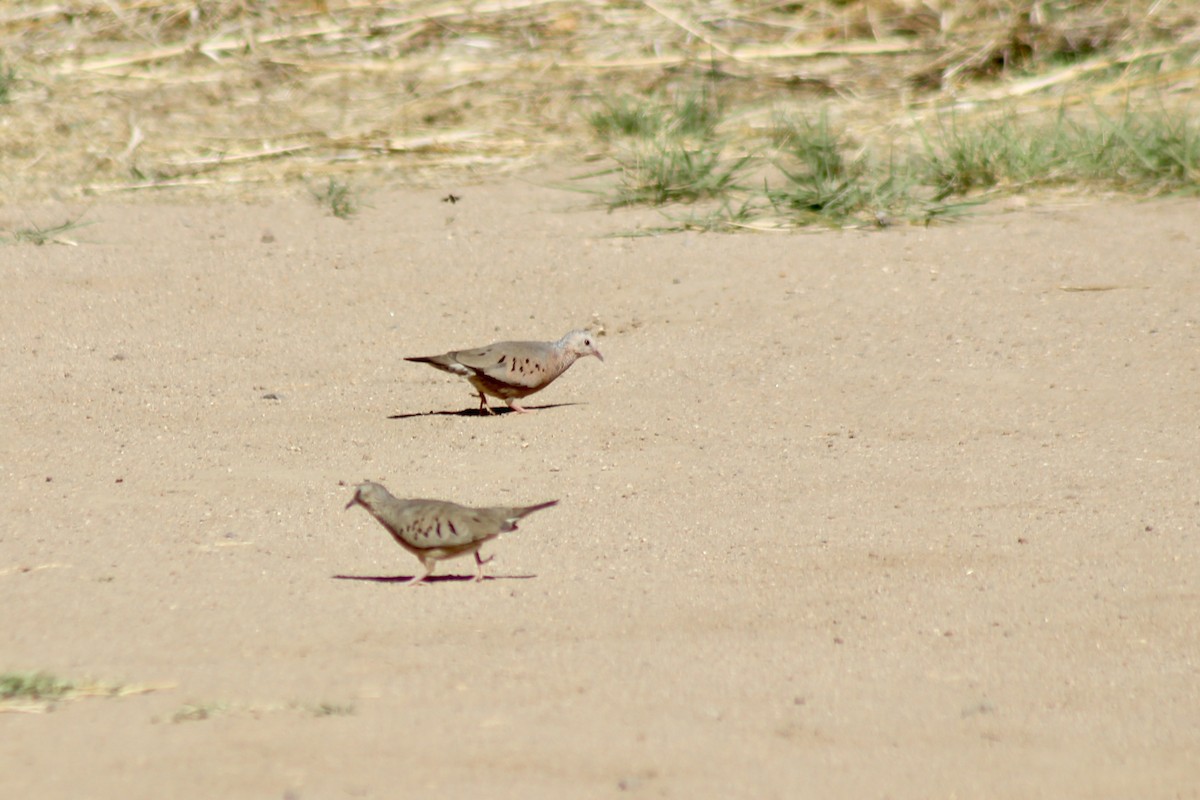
column 434, row 530
column 512, row 370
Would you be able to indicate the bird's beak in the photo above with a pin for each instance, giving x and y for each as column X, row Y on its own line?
column 597, row 352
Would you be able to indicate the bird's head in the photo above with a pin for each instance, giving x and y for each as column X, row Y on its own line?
column 581, row 343
column 367, row 495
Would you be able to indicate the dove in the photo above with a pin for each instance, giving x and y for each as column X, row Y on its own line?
column 512, row 370
column 434, row 530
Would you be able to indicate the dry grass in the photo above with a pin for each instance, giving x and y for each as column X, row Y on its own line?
column 39, row 692
column 230, row 95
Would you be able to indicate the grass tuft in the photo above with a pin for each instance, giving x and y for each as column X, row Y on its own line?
column 691, row 115
column 1154, row 152
column 820, row 183
column 812, row 174
column 670, row 150
column 33, row 686
column 332, row 709
column 35, row 234
column 662, row 174
column 1146, row 152
column 341, row 200
column 827, row 180
column 37, row 692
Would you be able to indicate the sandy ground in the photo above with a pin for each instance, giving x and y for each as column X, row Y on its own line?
column 899, row 514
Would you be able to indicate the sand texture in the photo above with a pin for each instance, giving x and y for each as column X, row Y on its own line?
column 911, row 513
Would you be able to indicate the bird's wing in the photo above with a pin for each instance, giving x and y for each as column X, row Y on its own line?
column 528, row 364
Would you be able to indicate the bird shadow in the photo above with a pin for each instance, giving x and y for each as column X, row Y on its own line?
column 431, row 578
column 475, row 412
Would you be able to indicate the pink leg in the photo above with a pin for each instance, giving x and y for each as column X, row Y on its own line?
column 483, row 405
column 479, row 562
column 515, row 406
column 414, row 580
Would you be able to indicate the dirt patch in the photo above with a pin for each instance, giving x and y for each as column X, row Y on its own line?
column 907, row 513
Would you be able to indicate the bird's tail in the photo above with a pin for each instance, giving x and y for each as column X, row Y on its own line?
column 519, row 512
column 443, row 362
column 527, row 510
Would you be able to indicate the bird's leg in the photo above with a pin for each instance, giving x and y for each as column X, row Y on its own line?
column 479, row 562
column 483, row 405
column 421, row 578
column 515, row 406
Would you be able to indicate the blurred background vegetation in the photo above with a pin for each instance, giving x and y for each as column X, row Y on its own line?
column 771, row 112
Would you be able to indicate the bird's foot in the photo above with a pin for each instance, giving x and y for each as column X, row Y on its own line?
column 414, row 580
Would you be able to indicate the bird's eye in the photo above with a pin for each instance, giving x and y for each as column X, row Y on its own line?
column 587, row 342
